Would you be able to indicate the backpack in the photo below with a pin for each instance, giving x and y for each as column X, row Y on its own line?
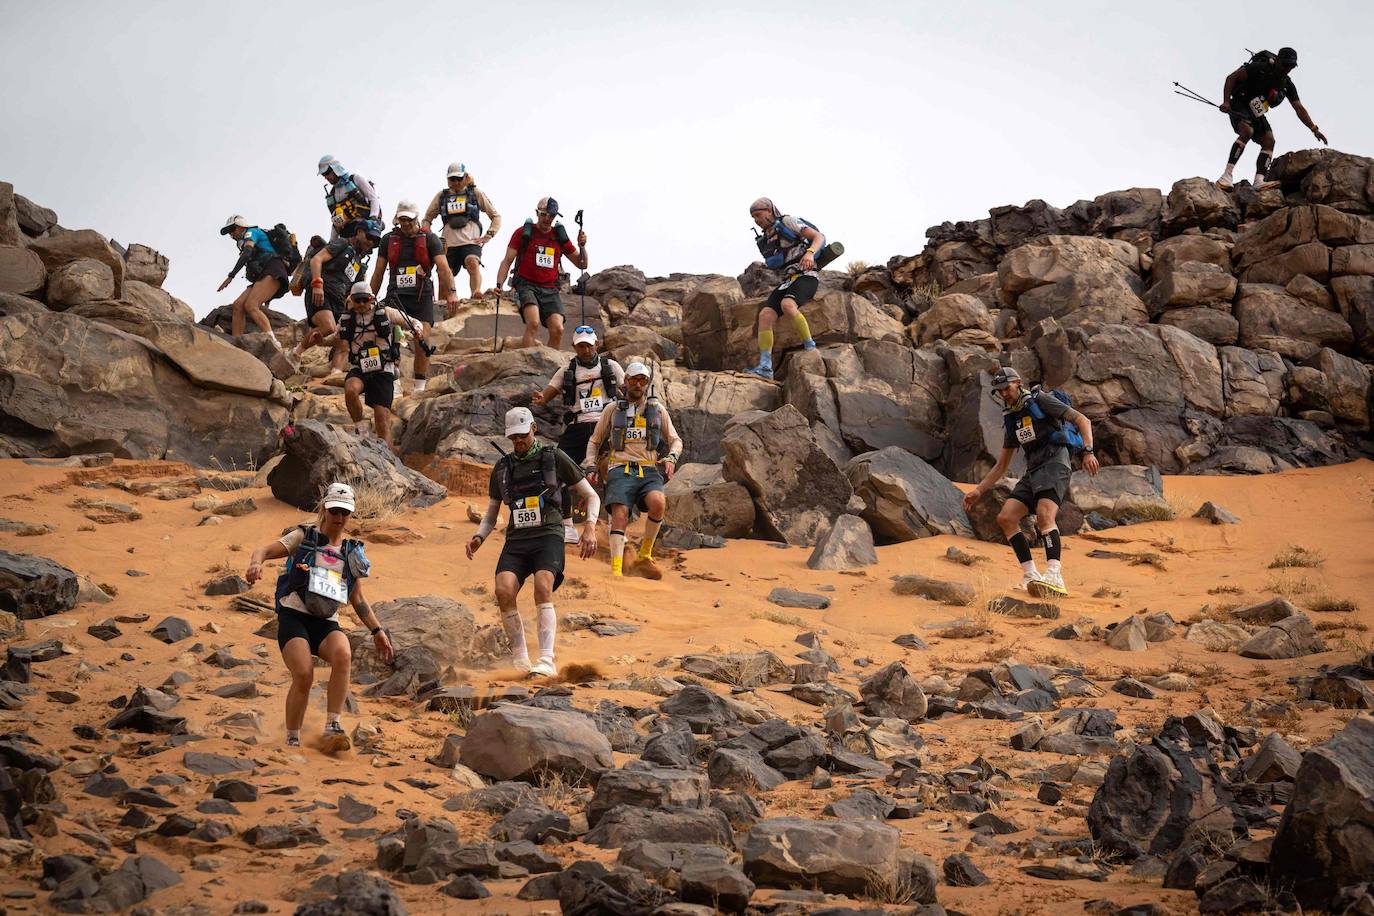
column 293, row 578
column 608, row 387
column 1066, row 434
column 352, row 205
column 774, row 254
column 283, row 240
column 559, row 233
column 393, row 258
column 472, row 211
column 548, row 472
column 380, row 325
column 620, row 422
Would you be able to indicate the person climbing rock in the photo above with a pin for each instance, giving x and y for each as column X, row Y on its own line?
column 1048, row 429
column 788, row 245
column 527, row 482
column 349, row 196
column 460, row 206
column 371, row 335
column 266, row 271
column 410, row 258
column 1255, row 87
column 323, row 572
column 536, row 249
column 587, row 384
column 333, row 271
column 642, row 438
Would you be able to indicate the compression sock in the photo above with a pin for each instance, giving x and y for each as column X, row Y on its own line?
column 515, row 632
column 548, row 627
column 331, row 718
column 1237, row 150
column 1021, row 546
column 1053, row 543
column 617, row 553
column 803, row 329
column 1262, row 166
column 1054, row 568
column 646, row 546
column 766, row 342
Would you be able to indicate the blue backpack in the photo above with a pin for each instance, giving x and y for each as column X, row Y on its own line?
column 1067, row 434
column 774, row 258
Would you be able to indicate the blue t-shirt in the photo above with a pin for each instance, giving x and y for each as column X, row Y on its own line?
column 262, row 248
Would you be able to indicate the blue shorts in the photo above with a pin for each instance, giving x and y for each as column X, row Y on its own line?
column 627, row 485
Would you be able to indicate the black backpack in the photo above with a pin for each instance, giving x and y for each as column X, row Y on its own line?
column 608, row 387
column 284, row 243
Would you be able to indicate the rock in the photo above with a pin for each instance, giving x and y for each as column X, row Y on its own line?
column 79, row 281
column 746, row 670
column 1011, row 606
column 891, row 692
column 216, row 764
column 354, row 893
column 1128, row 636
column 862, row 805
column 846, row 545
column 520, row 742
column 1237, row 895
column 796, row 487
column 730, row 768
column 1271, row 319
column 1191, row 285
column 172, row 629
column 905, row 498
column 317, row 455
column 32, row 218
column 1058, row 275
column 32, row 587
column 648, row 787
column 790, row 597
column 948, row 315
column 625, row 824
column 715, row 884
column 1151, row 366
column 226, row 585
column 952, row 593
column 1121, row 492
column 353, row 811
column 701, row 499
column 145, row 265
column 1217, row 328
column 1215, row 514
column 703, row 403
column 62, row 247
column 444, row 629
column 1291, row 637
column 701, row 709
column 1347, row 387
column 21, row 272
column 1198, row 203
column 1274, row 761
column 838, row 857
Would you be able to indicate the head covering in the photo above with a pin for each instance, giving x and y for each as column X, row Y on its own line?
column 519, row 421
column 407, row 208
column 457, row 170
column 585, row 334
column 636, row 368
column 765, row 203
column 361, row 288
column 1004, row 377
column 328, row 162
column 1288, row 56
column 339, row 496
column 235, row 222
column 548, row 204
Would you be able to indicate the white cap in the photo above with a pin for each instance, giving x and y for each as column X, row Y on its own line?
column 235, row 222
column 327, row 162
column 585, row 336
column 407, row 208
column 362, row 287
column 457, row 170
column 339, row 496
column 519, row 421
column 636, row 368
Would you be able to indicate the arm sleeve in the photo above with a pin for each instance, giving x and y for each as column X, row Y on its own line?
column 585, row 489
column 489, row 519
column 670, row 435
column 373, row 201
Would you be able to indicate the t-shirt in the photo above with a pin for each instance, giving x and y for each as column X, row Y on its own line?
column 590, row 401
column 330, row 558
column 344, row 268
column 638, row 447
column 793, row 250
column 539, row 264
column 568, row 474
column 404, row 280
column 1258, row 81
column 262, row 246
column 1039, row 450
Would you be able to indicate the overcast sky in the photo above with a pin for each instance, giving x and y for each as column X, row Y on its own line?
column 154, row 121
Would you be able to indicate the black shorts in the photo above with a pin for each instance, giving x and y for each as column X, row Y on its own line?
column 527, row 556
column 333, row 302
column 419, row 309
column 1049, row 481
column 1261, row 125
column 574, row 440
column 800, row 289
column 379, row 388
column 293, row 624
column 550, row 303
column 460, row 253
column 275, row 268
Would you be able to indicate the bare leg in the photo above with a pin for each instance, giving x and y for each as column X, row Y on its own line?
column 474, row 268
column 556, row 331
column 531, row 315
column 237, row 317
column 353, row 398
column 257, row 295
column 301, row 664
column 336, row 652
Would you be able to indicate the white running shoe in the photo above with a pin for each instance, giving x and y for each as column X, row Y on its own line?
column 543, row 668
column 521, row 663
column 1260, row 184
column 570, row 535
column 1029, row 578
column 1226, row 182
column 1055, row 580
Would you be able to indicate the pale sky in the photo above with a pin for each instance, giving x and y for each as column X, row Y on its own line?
column 154, row 121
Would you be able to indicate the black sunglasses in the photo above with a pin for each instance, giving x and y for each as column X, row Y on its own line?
column 337, row 510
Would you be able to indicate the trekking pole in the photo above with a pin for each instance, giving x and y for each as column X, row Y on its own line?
column 1195, row 96
column 582, row 280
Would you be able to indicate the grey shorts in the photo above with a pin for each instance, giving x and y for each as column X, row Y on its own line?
column 548, row 300
column 1049, row 481
column 626, row 487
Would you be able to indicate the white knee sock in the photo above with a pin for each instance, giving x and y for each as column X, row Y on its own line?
column 515, row 632
column 548, row 627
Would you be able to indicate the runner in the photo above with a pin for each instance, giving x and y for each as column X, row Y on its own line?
column 641, row 438
column 411, row 258
column 536, row 249
column 370, row 335
column 461, row 206
column 1255, row 87
column 527, row 481
column 789, row 245
column 587, row 384
column 266, row 272
column 333, row 271
column 349, row 196
column 324, row 572
column 1048, row 429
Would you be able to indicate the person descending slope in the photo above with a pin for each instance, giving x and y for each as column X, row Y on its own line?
column 267, row 271
column 641, row 438
column 411, row 258
column 1045, row 425
column 588, row 383
column 323, row 572
column 536, row 249
column 1258, row 85
column 460, row 206
column 793, row 247
column 349, row 196
column 333, row 271
column 527, row 481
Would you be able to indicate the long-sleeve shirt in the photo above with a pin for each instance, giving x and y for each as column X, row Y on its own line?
column 636, row 449
column 470, row 234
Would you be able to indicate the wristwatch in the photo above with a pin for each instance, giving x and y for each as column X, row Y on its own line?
column 1087, row 449
column 376, row 630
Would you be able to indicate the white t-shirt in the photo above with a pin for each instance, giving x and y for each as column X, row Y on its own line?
column 590, row 401
column 327, row 557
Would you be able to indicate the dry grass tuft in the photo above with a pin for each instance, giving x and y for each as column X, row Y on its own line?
column 1148, row 559
column 855, row 268
column 1225, row 590
column 1297, row 556
column 1285, row 586
column 1329, row 604
column 372, row 504
column 1107, row 591
column 1154, row 512
column 791, row 620
column 1342, row 625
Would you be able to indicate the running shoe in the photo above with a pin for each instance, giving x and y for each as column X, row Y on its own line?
column 543, row 668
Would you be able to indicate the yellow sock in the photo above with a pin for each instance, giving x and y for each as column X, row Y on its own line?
column 618, row 566
column 766, row 341
column 803, row 329
column 646, row 546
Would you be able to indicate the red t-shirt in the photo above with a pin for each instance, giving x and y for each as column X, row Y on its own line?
column 539, row 264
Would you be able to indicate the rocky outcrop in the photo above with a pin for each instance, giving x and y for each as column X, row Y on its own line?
column 700, row 499
column 317, row 455
column 905, row 498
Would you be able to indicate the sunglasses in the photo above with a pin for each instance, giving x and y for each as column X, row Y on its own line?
column 337, row 510
column 584, row 329
column 362, row 298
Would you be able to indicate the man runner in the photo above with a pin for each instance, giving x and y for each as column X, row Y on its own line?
column 460, row 205
column 411, row 258
column 1254, row 88
column 536, row 250
column 334, row 269
column 641, row 438
column 528, row 481
column 789, row 245
column 1033, row 421
column 588, row 383
column 349, row 196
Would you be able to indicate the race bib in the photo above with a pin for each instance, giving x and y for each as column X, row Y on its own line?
column 591, row 404
column 327, row 583
column 371, row 361
column 405, row 278
column 636, row 433
column 351, row 271
column 527, row 513
column 457, row 206
column 1025, row 433
column 789, row 281
column 544, row 256
column 1258, row 107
